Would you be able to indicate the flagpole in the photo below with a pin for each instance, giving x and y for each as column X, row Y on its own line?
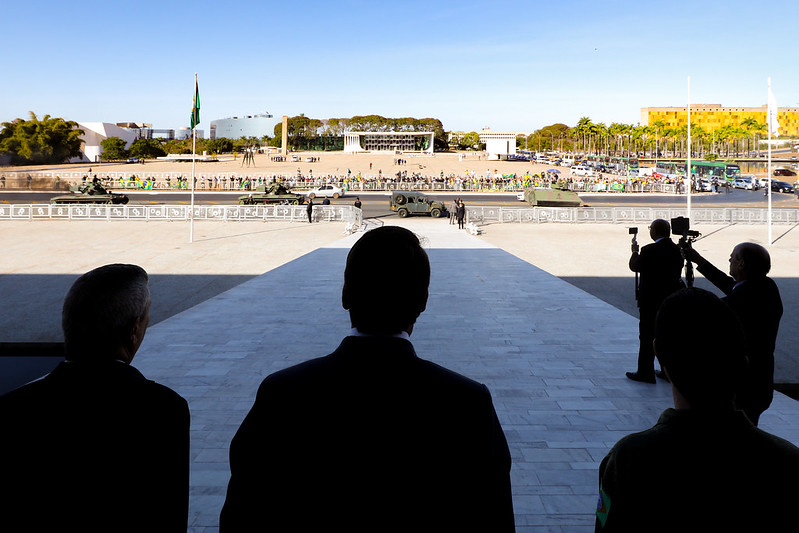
column 193, row 165
column 768, row 120
column 688, row 159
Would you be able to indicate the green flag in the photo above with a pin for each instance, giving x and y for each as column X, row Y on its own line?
column 195, row 109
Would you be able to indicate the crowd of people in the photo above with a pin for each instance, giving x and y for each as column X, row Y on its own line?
column 490, row 181
column 372, row 436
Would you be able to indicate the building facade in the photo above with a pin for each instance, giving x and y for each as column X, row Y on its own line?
column 715, row 116
column 244, row 126
column 498, row 144
column 94, row 133
column 389, row 141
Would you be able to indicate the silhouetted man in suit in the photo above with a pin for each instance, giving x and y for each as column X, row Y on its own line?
column 659, row 265
column 371, row 437
column 94, row 445
column 756, row 300
column 704, row 466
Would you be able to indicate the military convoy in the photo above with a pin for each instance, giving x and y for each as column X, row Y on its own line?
column 412, row 203
column 90, row 192
column 275, row 193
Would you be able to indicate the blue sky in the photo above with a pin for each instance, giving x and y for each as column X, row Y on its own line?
column 510, row 66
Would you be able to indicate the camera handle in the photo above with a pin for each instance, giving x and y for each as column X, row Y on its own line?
column 685, row 244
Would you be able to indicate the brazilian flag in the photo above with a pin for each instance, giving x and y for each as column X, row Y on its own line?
column 195, row 108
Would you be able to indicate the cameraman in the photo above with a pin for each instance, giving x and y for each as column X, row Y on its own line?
column 756, row 300
column 659, row 265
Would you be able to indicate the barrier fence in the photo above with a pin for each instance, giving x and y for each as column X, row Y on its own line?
column 627, row 215
column 232, row 181
column 353, row 216
column 227, row 213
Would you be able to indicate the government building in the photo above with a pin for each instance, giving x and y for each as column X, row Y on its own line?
column 244, row 126
column 712, row 117
column 389, row 141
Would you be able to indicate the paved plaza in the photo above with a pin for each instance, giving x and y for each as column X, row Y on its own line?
column 552, row 354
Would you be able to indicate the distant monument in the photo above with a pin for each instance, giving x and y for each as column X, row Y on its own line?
column 249, row 156
column 284, row 145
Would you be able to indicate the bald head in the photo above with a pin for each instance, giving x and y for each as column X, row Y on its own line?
column 749, row 261
column 659, row 228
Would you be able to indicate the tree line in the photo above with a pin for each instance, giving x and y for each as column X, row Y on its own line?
column 55, row 140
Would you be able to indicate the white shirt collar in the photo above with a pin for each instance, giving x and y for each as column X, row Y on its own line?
column 401, row 335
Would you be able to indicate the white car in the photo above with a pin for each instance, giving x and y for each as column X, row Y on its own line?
column 704, row 185
column 326, row 191
column 581, row 170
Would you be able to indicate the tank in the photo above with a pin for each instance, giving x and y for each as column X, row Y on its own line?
column 552, row 198
column 275, row 193
column 90, row 192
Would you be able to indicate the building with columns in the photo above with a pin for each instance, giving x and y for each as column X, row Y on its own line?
column 389, row 141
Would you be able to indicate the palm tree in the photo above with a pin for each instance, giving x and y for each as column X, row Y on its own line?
column 658, row 125
column 582, row 129
column 751, row 125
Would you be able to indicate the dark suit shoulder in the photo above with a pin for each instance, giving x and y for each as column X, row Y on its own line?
column 383, row 360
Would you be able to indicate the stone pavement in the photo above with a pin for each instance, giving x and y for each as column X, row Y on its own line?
column 552, row 355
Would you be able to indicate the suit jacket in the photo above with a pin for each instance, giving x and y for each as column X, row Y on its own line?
column 660, row 265
column 94, row 447
column 369, row 438
column 758, row 305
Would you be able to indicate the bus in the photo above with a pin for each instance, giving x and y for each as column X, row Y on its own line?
column 614, row 164
column 718, row 170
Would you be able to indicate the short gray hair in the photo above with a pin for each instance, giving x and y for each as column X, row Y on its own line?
column 101, row 307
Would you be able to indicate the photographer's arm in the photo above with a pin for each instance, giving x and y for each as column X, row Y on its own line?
column 711, row 273
column 693, row 256
column 635, row 259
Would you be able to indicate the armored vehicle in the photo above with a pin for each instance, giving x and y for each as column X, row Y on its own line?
column 410, row 203
column 275, row 193
column 90, row 192
column 552, row 198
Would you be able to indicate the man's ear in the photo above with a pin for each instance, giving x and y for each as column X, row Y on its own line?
column 346, row 301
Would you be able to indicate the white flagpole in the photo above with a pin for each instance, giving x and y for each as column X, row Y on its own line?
column 688, row 159
column 193, row 163
column 769, row 122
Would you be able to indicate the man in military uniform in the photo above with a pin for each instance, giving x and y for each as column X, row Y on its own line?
column 704, row 465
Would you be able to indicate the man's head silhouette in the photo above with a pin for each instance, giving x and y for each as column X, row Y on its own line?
column 386, row 281
column 106, row 313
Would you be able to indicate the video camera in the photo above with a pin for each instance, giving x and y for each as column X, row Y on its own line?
column 682, row 226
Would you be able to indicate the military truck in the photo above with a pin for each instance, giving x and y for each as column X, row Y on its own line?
column 90, row 192
column 274, row 193
column 552, row 198
column 411, row 203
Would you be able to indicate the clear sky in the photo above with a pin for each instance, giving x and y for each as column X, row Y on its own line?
column 507, row 65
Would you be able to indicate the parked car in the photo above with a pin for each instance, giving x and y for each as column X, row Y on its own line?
column 581, row 170
column 784, row 172
column 326, row 191
column 781, row 186
column 704, row 185
column 748, row 182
